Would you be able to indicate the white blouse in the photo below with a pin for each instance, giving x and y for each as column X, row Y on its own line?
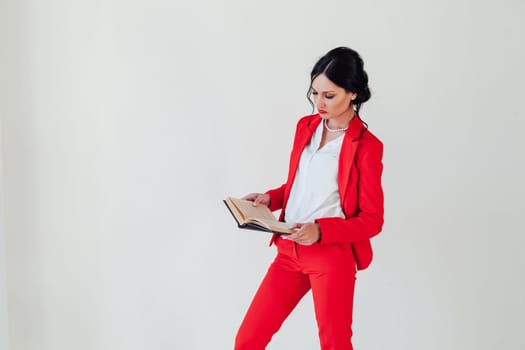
column 315, row 191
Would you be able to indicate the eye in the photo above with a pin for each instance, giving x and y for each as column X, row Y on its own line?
column 330, row 97
column 314, row 93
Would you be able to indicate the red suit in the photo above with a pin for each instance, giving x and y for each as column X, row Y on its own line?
column 327, row 267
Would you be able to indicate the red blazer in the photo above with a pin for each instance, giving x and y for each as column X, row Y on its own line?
column 359, row 178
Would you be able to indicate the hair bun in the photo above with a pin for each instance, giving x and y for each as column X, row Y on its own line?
column 363, row 95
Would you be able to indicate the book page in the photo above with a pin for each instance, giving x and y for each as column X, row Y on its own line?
column 249, row 211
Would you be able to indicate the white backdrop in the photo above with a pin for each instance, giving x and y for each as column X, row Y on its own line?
column 4, row 329
column 125, row 123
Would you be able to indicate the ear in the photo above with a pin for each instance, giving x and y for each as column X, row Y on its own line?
column 353, row 96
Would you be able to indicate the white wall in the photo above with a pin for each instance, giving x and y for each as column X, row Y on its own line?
column 127, row 122
column 4, row 328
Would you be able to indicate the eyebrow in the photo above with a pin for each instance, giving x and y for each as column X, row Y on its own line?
column 332, row 91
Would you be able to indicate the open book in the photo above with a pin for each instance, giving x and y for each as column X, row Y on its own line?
column 258, row 218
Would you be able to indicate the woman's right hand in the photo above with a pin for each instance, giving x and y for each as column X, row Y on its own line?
column 258, row 198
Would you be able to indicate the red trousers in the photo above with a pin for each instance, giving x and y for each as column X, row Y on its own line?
column 329, row 270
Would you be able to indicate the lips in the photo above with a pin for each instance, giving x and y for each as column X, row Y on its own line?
column 322, row 111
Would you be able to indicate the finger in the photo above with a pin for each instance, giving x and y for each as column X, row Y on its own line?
column 305, row 241
column 256, row 198
column 249, row 197
column 262, row 199
column 292, row 237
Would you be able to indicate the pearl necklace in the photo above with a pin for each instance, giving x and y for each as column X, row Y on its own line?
column 333, row 130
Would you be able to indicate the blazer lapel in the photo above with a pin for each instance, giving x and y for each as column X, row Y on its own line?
column 303, row 138
column 346, row 157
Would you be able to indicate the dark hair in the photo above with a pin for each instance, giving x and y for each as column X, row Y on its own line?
column 345, row 68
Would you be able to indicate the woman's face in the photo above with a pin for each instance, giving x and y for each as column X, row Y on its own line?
column 331, row 100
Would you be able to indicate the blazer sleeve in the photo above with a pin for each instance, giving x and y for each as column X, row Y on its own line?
column 276, row 197
column 368, row 221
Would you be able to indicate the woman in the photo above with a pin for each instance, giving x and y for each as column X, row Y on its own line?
column 333, row 200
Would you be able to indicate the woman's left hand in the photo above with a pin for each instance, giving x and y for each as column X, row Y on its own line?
column 304, row 234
